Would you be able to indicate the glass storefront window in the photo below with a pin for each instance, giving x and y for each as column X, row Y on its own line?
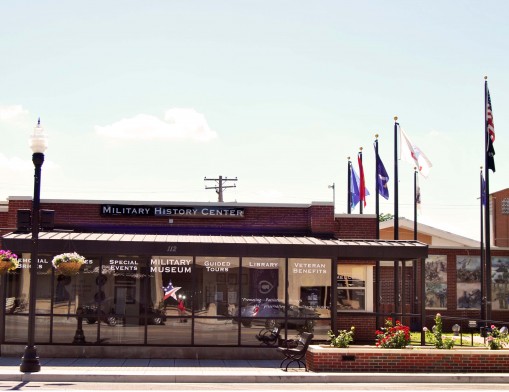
column 172, row 300
column 216, row 300
column 355, row 287
column 17, row 293
column 262, row 296
column 170, row 288
column 309, row 294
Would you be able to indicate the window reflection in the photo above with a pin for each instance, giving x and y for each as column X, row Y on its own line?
column 173, row 300
column 354, row 284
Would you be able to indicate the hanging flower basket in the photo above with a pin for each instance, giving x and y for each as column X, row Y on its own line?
column 8, row 261
column 68, row 264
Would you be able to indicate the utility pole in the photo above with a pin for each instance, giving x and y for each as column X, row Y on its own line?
column 220, row 186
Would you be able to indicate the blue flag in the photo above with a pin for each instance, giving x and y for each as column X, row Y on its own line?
column 382, row 178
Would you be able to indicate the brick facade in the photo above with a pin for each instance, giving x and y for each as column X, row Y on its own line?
column 500, row 220
column 377, row 360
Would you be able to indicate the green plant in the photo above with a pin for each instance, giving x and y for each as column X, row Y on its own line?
column 436, row 337
column 393, row 335
column 342, row 339
column 496, row 339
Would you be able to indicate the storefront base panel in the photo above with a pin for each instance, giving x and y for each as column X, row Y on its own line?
column 75, row 351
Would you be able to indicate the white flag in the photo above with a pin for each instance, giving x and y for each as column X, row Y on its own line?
column 413, row 154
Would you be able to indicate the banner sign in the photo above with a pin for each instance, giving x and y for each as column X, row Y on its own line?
column 171, row 211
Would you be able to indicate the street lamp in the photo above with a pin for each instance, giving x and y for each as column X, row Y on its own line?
column 333, row 187
column 38, row 144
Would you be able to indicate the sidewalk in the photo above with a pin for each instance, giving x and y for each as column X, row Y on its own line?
column 210, row 371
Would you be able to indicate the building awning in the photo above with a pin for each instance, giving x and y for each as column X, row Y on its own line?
column 53, row 242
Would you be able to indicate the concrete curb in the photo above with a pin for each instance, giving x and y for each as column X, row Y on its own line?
column 274, row 376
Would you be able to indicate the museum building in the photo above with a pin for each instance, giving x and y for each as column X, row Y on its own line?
column 205, row 279
column 196, row 277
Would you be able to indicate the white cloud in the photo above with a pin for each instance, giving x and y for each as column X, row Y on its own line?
column 11, row 112
column 178, row 123
column 14, row 164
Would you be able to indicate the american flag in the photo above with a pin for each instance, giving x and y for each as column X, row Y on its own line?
column 490, row 137
column 170, row 291
column 489, row 118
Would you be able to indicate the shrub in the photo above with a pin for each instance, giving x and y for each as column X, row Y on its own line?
column 436, row 337
column 343, row 338
column 393, row 335
column 495, row 339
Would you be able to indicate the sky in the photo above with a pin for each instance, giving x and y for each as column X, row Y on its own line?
column 142, row 100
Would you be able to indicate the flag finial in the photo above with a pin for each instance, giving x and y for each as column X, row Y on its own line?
column 376, row 135
column 395, row 118
column 360, row 148
column 348, row 158
column 485, row 78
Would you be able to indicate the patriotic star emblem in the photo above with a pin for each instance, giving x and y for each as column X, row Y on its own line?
column 170, row 291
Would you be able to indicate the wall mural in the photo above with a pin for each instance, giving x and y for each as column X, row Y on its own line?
column 500, row 283
column 468, row 270
column 436, row 282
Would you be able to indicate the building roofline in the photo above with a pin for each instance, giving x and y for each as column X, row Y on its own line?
column 433, row 231
column 174, row 203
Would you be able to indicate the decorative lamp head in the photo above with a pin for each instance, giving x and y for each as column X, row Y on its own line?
column 38, row 141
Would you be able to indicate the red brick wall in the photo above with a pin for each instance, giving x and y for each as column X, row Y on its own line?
column 500, row 236
column 408, row 361
column 355, row 227
column 316, row 219
column 364, row 323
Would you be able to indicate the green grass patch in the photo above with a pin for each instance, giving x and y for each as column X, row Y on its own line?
column 462, row 340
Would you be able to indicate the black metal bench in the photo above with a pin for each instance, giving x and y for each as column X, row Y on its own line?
column 295, row 354
column 270, row 337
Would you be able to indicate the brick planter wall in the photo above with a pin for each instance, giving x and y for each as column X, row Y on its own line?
column 409, row 360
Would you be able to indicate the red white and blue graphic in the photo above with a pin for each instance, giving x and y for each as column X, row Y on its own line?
column 170, row 291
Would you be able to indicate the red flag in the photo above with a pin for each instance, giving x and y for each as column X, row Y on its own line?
column 362, row 185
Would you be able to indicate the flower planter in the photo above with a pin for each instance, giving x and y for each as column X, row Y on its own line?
column 4, row 266
column 407, row 360
column 68, row 264
column 8, row 261
column 69, row 268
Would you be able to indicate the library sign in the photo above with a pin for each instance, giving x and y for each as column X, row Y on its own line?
column 171, row 211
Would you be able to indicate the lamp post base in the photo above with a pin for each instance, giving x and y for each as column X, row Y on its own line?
column 30, row 361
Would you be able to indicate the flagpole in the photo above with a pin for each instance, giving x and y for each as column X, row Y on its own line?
column 483, row 298
column 396, row 213
column 377, row 190
column 415, row 203
column 396, row 216
column 349, row 196
column 487, row 208
column 414, row 262
column 377, row 209
column 361, row 202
